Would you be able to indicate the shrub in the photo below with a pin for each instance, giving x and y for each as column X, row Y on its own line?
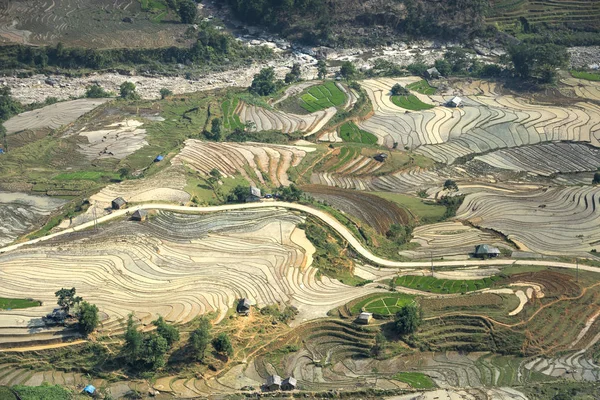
column 96, row 92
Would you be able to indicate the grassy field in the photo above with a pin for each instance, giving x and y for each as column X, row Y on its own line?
column 424, row 212
column 322, row 96
column 6, row 394
column 421, row 87
column 590, row 76
column 230, row 119
column 85, row 176
column 383, row 304
column 6, row 304
column 44, row 392
column 417, row 380
column 410, row 102
column 434, row 285
column 349, row 132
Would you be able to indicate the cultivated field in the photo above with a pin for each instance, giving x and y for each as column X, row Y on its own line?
column 257, row 163
column 116, row 140
column 52, row 116
column 555, row 221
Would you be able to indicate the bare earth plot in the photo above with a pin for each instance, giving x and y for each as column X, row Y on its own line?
column 52, row 116
column 117, row 140
column 175, row 265
column 83, row 23
column 21, row 212
column 554, row 221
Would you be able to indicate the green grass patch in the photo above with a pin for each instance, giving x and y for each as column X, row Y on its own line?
column 44, row 392
column 13, row 304
column 386, row 304
column 417, row 380
column 349, row 132
column 434, row 285
column 590, row 76
column 322, row 96
column 422, row 87
column 422, row 211
column 6, row 394
column 410, row 102
column 85, row 176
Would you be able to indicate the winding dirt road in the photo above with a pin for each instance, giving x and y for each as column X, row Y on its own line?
column 323, row 216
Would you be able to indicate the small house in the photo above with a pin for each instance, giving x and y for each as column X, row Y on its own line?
column 486, row 251
column 381, row 157
column 433, row 73
column 365, row 318
column 454, row 102
column 118, row 203
column 89, row 389
column 243, row 306
column 254, row 196
column 159, row 158
column 289, row 384
column 140, row 215
column 273, row 382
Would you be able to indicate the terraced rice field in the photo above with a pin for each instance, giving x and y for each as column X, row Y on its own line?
column 410, row 102
column 231, row 120
column 583, row 88
column 257, row 163
column 273, row 120
column 349, row 132
column 485, row 122
column 175, row 265
column 449, row 238
column 322, row 97
column 13, row 304
column 20, row 213
column 546, row 159
column 385, row 304
column 117, row 140
column 373, row 210
column 52, row 116
column 435, row 285
column 554, row 221
column 422, row 87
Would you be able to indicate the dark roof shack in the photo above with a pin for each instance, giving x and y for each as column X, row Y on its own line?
column 289, row 383
column 140, row 215
column 273, row 382
column 118, row 203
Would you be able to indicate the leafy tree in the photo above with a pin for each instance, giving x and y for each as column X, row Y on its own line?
column 200, row 338
column 222, row 344
column 67, row 299
column 417, row 68
column 127, row 91
column 399, row 90
column 134, row 341
column 238, row 194
column 164, row 93
column 408, row 319
column 539, row 62
column 290, row 193
column 294, row 75
column 169, row 332
column 124, row 172
column 450, row 185
column 443, row 67
column 216, row 129
column 96, row 92
column 88, row 318
column 8, row 106
column 399, row 233
column 379, row 346
column 187, row 11
column 153, row 352
column 264, row 83
column 347, row 70
column 321, row 69
column 458, row 59
column 596, row 179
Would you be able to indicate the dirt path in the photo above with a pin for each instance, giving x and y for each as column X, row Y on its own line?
column 43, row 347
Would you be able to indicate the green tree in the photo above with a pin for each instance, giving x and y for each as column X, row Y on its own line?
column 67, row 299
column 96, row 92
column 290, row 193
column 164, row 93
column 538, row 62
column 458, row 59
column 399, row 233
column 238, row 194
column 264, row 83
column 169, row 332
column 188, row 11
column 408, row 319
column 450, row 185
column 8, row 106
column 443, row 67
column 216, row 129
column 124, row 172
column 294, row 75
column 380, row 342
column 200, row 338
column 127, row 91
column 88, row 318
column 222, row 344
column 154, row 349
column 321, row 69
column 347, row 70
column 398, row 90
column 134, row 341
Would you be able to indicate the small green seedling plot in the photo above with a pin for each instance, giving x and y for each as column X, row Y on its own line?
column 383, row 304
column 410, row 102
column 434, row 285
column 346, row 154
column 349, row 132
column 322, row 96
column 421, row 87
column 417, row 380
column 230, row 119
column 590, row 76
column 12, row 304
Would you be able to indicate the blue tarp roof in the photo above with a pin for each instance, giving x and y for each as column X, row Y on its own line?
column 89, row 389
column 159, row 158
column 1, row 151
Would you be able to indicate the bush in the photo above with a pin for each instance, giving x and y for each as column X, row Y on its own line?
column 88, row 318
column 264, row 83
column 408, row 319
column 164, row 93
column 169, row 332
column 222, row 344
column 96, row 92
column 187, row 11
column 127, row 91
column 348, row 70
column 398, row 90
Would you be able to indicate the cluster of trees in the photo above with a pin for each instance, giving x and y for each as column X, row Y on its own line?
column 86, row 313
column 272, row 13
column 399, row 90
column 399, row 233
column 408, row 319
